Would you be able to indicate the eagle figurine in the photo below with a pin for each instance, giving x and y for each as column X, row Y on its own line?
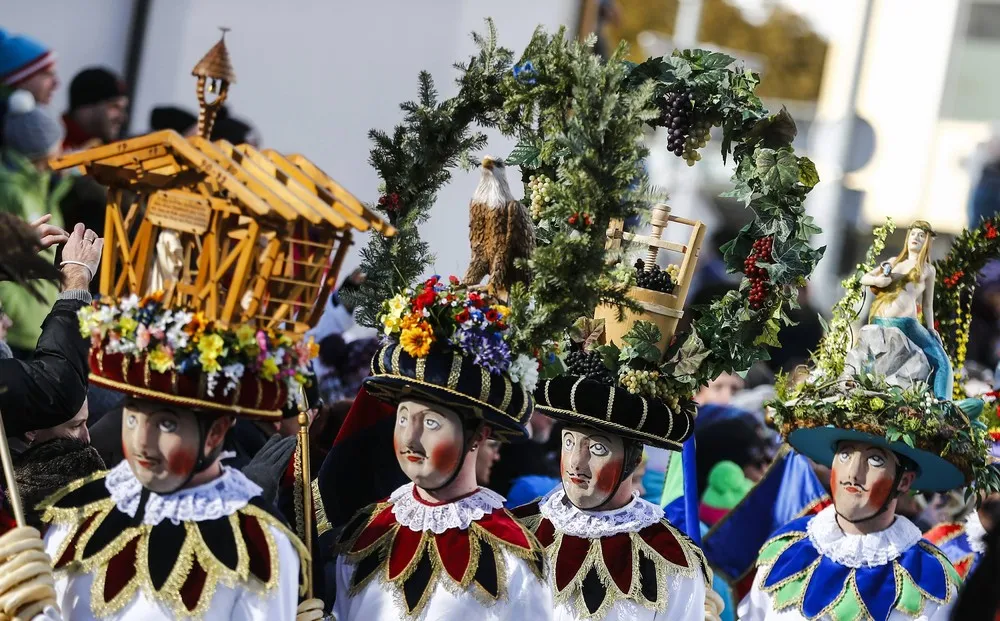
column 500, row 232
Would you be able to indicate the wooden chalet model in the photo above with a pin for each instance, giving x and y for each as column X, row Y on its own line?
column 239, row 234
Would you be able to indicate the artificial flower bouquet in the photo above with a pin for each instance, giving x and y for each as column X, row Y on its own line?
column 448, row 314
column 178, row 340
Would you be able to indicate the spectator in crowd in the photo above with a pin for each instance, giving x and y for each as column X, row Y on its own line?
column 49, row 390
column 27, row 64
column 726, row 433
column 31, row 131
column 234, row 130
column 531, row 466
column 979, row 599
column 172, row 117
column 46, row 467
column 98, row 109
column 983, row 347
column 489, row 454
column 26, row 191
column 720, row 391
column 75, row 428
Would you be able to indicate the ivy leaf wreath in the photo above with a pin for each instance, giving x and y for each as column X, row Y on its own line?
column 579, row 121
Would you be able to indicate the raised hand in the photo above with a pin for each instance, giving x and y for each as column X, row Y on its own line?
column 81, row 256
column 49, row 234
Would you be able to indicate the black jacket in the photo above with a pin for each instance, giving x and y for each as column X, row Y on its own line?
column 49, row 390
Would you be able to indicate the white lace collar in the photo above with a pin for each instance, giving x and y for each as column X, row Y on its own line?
column 220, row 497
column 976, row 532
column 420, row 515
column 855, row 551
column 571, row 520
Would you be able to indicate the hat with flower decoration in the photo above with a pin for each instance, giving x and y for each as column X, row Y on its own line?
column 149, row 350
column 875, row 391
column 448, row 345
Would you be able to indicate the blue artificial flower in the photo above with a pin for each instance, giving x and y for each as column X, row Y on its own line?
column 525, row 72
column 494, row 356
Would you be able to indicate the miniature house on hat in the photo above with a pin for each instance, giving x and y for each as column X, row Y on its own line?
column 238, row 234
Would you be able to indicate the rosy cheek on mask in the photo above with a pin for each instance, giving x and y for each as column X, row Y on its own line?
column 444, row 457
column 607, row 478
column 833, row 482
column 181, row 462
column 879, row 493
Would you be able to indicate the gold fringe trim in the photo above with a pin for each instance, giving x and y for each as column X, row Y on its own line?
column 323, row 525
column 192, row 549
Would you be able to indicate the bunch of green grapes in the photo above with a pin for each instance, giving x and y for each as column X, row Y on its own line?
column 540, row 187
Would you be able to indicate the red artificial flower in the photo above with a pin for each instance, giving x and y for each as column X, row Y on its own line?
column 463, row 316
column 425, row 299
column 476, row 299
column 454, row 279
column 937, row 325
column 501, row 326
column 433, row 280
column 991, row 231
column 492, row 315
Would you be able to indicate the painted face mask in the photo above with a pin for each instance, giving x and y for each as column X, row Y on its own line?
column 429, row 443
column 862, row 480
column 161, row 445
column 592, row 464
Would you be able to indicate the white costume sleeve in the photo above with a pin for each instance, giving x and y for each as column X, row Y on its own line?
column 756, row 606
column 685, row 599
column 280, row 603
column 527, row 596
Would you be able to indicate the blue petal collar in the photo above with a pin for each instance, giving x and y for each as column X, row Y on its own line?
column 795, row 575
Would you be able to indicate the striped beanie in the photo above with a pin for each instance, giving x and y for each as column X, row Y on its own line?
column 22, row 57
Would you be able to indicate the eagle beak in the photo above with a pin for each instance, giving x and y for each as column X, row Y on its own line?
column 488, row 162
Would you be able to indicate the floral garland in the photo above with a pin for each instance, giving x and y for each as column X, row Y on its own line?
column 173, row 339
column 579, row 121
column 449, row 314
column 956, row 282
column 913, row 415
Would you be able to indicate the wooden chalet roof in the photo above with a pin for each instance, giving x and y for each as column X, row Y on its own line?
column 264, row 183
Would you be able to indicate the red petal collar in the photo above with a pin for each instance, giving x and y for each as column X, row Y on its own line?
column 414, row 561
column 590, row 575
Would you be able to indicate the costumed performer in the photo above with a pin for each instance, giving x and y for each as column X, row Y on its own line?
column 170, row 532
column 440, row 547
column 613, row 556
column 904, row 293
column 964, row 543
column 882, row 434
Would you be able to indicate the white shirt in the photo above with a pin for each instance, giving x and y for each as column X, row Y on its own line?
column 223, row 496
column 685, row 588
column 871, row 550
column 527, row 598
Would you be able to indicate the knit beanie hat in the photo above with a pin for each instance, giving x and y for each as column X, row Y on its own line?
column 94, row 85
column 30, row 129
column 22, row 57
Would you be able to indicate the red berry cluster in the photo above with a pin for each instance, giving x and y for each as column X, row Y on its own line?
column 390, row 202
column 582, row 218
column 951, row 281
column 991, row 231
column 761, row 253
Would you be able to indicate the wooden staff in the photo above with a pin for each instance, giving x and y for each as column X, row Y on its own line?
column 8, row 475
column 307, row 499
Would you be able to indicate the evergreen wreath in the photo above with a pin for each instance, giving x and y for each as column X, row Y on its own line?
column 956, row 282
column 579, row 121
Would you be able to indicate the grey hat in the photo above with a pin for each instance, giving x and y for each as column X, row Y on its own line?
column 30, row 129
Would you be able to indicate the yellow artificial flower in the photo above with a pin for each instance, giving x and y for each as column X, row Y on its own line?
column 246, row 336
column 85, row 316
column 211, row 347
column 127, row 325
column 417, row 341
column 269, row 369
column 503, row 310
column 313, row 348
column 160, row 360
column 397, row 305
column 390, row 324
column 410, row 321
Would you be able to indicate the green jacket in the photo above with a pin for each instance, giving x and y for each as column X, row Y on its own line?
column 27, row 193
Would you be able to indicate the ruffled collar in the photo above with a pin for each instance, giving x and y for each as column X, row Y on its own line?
column 419, row 515
column 976, row 533
column 871, row 550
column 220, row 497
column 571, row 520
